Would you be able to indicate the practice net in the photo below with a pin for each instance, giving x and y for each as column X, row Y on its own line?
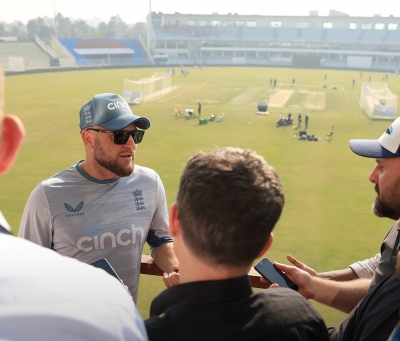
column 378, row 101
column 146, row 89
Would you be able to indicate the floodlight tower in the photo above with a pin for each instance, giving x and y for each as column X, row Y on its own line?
column 149, row 22
column 55, row 19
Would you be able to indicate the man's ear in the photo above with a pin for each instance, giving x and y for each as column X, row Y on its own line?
column 266, row 246
column 174, row 223
column 12, row 136
column 87, row 139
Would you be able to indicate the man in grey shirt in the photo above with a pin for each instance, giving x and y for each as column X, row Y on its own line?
column 104, row 206
column 44, row 296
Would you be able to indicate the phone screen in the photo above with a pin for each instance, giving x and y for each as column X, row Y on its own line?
column 271, row 273
column 103, row 263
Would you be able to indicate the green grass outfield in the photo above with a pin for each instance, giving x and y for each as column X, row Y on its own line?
column 327, row 220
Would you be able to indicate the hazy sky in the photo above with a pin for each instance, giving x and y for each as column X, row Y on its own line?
column 132, row 11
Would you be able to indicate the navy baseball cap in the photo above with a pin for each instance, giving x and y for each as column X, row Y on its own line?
column 387, row 146
column 110, row 111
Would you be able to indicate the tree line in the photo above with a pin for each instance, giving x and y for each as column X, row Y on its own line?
column 65, row 28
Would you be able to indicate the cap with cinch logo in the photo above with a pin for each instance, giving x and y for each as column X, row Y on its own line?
column 110, row 111
column 387, row 146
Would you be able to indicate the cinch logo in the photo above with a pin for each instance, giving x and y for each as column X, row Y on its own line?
column 118, row 104
column 74, row 211
column 389, row 130
column 97, row 242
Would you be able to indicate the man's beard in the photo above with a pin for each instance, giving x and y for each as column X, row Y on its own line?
column 383, row 209
column 111, row 165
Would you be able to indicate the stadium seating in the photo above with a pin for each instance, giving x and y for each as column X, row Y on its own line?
column 392, row 38
column 276, row 40
column 106, row 51
column 230, row 40
column 34, row 57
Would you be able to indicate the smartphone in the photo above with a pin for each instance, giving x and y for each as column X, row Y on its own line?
column 272, row 274
column 103, row 263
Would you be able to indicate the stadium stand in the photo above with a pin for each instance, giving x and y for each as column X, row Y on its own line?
column 334, row 41
column 33, row 56
column 343, row 36
column 328, row 41
column 106, row 51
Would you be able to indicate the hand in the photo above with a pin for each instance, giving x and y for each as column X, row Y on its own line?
column 302, row 266
column 270, row 285
column 299, row 277
column 262, row 279
column 171, row 279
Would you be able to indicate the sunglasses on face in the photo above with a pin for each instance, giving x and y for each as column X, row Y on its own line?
column 122, row 136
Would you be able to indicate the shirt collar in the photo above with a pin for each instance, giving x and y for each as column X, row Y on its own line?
column 202, row 291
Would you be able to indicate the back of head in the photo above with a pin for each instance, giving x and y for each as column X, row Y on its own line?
column 229, row 201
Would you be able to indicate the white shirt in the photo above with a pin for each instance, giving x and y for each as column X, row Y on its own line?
column 46, row 296
column 367, row 267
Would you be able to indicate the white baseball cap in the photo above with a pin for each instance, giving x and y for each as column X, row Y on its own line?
column 387, row 146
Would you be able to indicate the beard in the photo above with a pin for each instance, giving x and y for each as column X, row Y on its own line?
column 382, row 209
column 111, row 165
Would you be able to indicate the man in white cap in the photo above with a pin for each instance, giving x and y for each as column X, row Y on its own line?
column 345, row 295
column 104, row 206
column 45, row 296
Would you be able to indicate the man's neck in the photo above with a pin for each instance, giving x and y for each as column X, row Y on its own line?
column 195, row 270
column 97, row 172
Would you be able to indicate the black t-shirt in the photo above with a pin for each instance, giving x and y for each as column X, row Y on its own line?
column 230, row 310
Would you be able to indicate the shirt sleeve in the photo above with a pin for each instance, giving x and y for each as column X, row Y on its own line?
column 158, row 233
column 367, row 267
column 36, row 220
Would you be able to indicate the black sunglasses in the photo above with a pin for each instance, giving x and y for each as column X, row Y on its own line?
column 122, row 136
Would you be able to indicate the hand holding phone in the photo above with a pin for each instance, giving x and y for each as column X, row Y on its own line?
column 272, row 274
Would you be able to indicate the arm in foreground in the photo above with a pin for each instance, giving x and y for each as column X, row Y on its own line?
column 343, row 296
column 347, row 274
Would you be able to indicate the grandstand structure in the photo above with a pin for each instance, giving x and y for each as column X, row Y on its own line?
column 18, row 56
column 333, row 41
column 28, row 54
column 110, row 52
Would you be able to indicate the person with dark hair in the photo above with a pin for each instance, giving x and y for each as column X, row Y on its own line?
column 228, row 203
column 199, row 109
column 105, row 206
column 45, row 296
